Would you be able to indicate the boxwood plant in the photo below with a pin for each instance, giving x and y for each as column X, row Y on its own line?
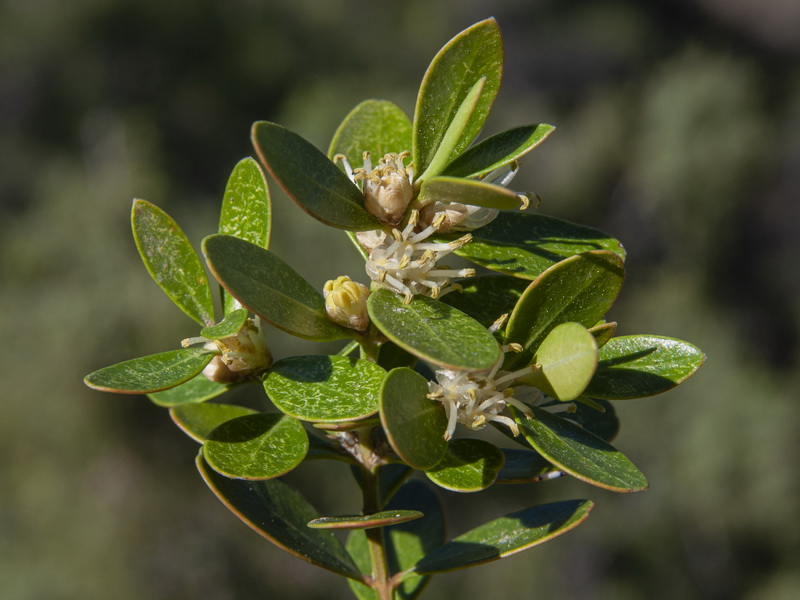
column 430, row 355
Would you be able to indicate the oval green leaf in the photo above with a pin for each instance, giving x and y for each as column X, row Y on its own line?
column 197, row 389
column 229, row 326
column 270, row 288
column 643, row 365
column 434, row 331
column 467, row 191
column 525, row 466
column 322, row 388
column 310, row 179
column 474, row 53
column 567, row 360
column 485, row 298
column 525, row 245
column 580, row 453
column 579, row 289
column 278, row 512
column 603, row 332
column 375, row 126
column 199, row 420
column 498, row 150
column 469, row 465
column 150, row 373
column 246, row 210
column 378, row 519
column 171, row 261
column 414, row 424
column 506, row 536
column 259, row 446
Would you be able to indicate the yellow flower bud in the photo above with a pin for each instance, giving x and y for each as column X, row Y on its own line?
column 346, row 302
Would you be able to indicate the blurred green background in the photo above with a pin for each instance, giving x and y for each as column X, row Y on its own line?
column 678, row 131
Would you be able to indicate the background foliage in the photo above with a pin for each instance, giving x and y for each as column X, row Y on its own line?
column 678, row 133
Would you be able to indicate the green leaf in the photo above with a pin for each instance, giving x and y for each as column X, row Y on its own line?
column 270, row 288
column 487, row 297
column 581, row 288
column 525, row 245
column 506, row 536
column 525, row 466
column 469, row 465
column 467, row 191
column 325, row 388
column 278, row 512
column 246, row 210
column 643, row 365
column 310, row 179
column 228, row 327
column 498, row 150
column 375, row 126
column 567, row 360
column 405, row 543
column 450, row 140
column 603, row 332
column 580, row 453
column 199, row 420
column 260, row 446
column 150, row 373
column 474, row 53
column 433, row 331
column 197, row 389
column 171, row 261
column 595, row 416
column 414, row 424
column 378, row 519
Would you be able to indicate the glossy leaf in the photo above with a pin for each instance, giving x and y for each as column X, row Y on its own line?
column 498, row 150
column 246, row 210
column 310, row 179
column 603, row 332
column 197, row 389
column 469, row 465
column 171, row 261
column 643, row 365
column 433, row 331
column 405, row 543
column 375, row 126
column 567, row 360
column 487, row 297
column 602, row 421
column 150, row 373
column 199, row 420
column 452, row 135
column 379, row 519
column 229, row 326
column 507, row 535
column 325, row 388
column 278, row 512
column 525, row 466
column 467, row 191
column 260, row 446
column 270, row 288
column 579, row 289
column 525, row 245
column 414, row 424
column 580, row 453
column 474, row 53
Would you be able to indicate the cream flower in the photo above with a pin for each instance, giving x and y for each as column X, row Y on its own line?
column 388, row 187
column 346, row 302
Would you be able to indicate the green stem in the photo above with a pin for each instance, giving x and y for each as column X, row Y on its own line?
column 381, row 579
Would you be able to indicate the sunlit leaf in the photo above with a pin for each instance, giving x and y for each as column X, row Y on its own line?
column 468, row 465
column 270, row 288
column 643, row 365
column 567, row 359
column 467, row 191
column 259, row 446
column 150, row 373
column 498, row 150
column 197, row 389
column 375, row 126
column 171, row 261
column 229, row 326
column 311, row 179
column 199, row 420
column 378, row 519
